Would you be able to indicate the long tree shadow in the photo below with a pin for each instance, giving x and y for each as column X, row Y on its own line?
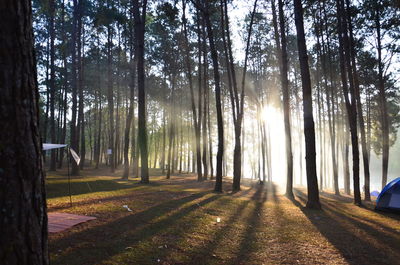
column 60, row 189
column 226, row 230
column 205, row 254
column 223, row 232
column 384, row 237
column 273, row 192
column 349, row 214
column 393, row 216
column 248, row 243
column 368, row 205
column 286, row 243
column 337, row 197
column 211, row 243
column 115, row 198
column 114, row 237
column 174, row 237
column 357, row 242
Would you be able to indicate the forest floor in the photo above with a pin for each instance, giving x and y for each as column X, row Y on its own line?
column 175, row 222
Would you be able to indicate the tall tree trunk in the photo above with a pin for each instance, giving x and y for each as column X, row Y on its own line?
column 346, row 166
column 204, row 116
column 171, row 149
column 46, row 116
column 283, row 63
column 319, row 122
column 214, row 57
column 81, row 114
column 110, row 98
column 263, row 151
column 91, row 133
column 65, row 107
column 210, row 149
column 367, row 194
column 344, row 141
column 98, row 138
column 23, row 219
column 180, row 155
column 237, row 100
column 52, row 84
column 309, row 128
column 79, row 78
column 156, row 147
column 129, row 117
column 344, row 57
column 73, row 130
column 162, row 164
column 188, row 145
column 382, row 98
column 330, row 98
column 117, row 121
column 97, row 144
column 140, row 20
column 300, row 128
column 196, row 121
column 65, row 83
column 134, row 148
column 368, row 103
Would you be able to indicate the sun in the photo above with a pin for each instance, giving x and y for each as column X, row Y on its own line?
column 271, row 114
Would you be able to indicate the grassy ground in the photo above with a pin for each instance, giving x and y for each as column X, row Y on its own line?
column 175, row 222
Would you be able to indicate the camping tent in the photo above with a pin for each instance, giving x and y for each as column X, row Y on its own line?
column 375, row 193
column 48, row 146
column 75, row 156
column 53, row 146
column 389, row 199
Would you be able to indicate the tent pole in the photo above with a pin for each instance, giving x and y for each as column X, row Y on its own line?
column 69, row 177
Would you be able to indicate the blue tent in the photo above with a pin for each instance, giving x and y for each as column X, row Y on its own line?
column 389, row 199
column 375, row 193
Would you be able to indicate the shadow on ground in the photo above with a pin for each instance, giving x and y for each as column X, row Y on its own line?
column 359, row 240
column 109, row 239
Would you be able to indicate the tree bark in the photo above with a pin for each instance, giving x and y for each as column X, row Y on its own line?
column 81, row 115
column 204, row 116
column 282, row 53
column 23, row 219
column 52, row 85
column 171, row 131
column 309, row 128
column 382, row 99
column 65, row 84
column 73, row 129
column 162, row 164
column 214, row 57
column 79, row 84
column 237, row 100
column 196, row 123
column 330, row 99
column 344, row 57
column 140, row 20
column 128, row 124
column 210, row 149
column 367, row 195
column 346, row 167
column 110, row 98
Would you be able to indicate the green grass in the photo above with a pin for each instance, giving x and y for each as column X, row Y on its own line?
column 174, row 222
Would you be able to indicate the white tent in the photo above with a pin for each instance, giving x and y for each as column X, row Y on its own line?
column 75, row 156
column 48, row 146
column 53, row 146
